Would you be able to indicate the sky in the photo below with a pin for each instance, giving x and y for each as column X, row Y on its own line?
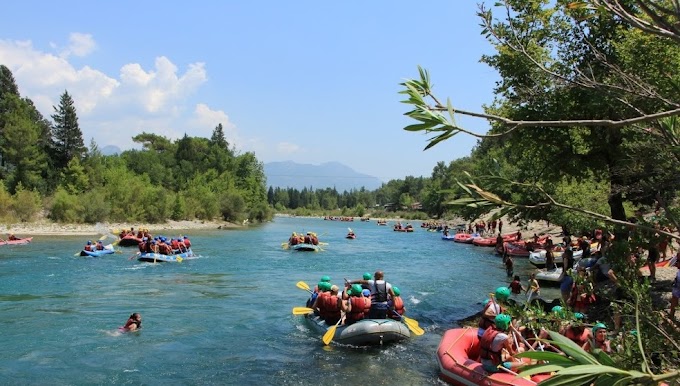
column 303, row 81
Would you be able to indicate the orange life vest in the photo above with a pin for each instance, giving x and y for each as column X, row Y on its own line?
column 485, row 346
column 357, row 311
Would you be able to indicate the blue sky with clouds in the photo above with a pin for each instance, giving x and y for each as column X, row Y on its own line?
column 306, row 81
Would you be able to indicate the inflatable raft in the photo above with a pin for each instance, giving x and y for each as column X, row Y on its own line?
column 160, row 258
column 537, row 258
column 108, row 249
column 304, row 247
column 365, row 332
column 129, row 241
column 23, row 241
column 458, row 355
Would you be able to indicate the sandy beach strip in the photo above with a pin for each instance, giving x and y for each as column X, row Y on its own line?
column 47, row 228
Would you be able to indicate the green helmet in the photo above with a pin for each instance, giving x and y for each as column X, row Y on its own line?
column 502, row 321
column 502, row 293
column 368, row 276
column 324, row 286
column 326, row 278
column 356, row 290
column 578, row 316
column 598, row 326
column 396, row 291
column 557, row 310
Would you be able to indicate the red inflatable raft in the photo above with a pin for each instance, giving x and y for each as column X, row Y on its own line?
column 457, row 356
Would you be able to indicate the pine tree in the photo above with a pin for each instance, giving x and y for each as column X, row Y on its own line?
column 218, row 138
column 67, row 139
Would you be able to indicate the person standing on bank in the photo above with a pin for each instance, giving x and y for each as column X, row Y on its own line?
column 380, row 289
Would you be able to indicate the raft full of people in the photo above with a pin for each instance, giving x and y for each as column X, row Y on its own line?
column 308, row 242
column 163, row 249
column 368, row 311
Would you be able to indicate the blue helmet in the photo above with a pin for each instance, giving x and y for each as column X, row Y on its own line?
column 89, row 242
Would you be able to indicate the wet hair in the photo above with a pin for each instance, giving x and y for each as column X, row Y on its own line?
column 516, row 277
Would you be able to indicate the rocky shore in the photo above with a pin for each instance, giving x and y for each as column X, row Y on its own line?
column 48, row 228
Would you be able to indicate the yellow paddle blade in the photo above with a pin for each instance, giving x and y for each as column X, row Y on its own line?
column 409, row 320
column 76, row 254
column 302, row 310
column 303, row 285
column 102, row 238
column 284, row 245
column 328, row 336
column 320, row 243
column 179, row 259
column 413, row 327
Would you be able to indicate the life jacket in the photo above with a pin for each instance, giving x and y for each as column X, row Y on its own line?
column 357, row 310
column 140, row 234
column 187, row 243
column 578, row 339
column 165, row 249
column 516, row 287
column 484, row 322
column 380, row 295
column 174, row 244
column 100, row 247
column 367, row 305
column 321, row 301
column 485, row 343
column 293, row 240
column 308, row 239
column 88, row 248
column 398, row 304
column 330, row 309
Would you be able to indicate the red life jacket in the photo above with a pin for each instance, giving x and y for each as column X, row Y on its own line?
column 88, row 248
column 578, row 339
column 357, row 311
column 321, row 301
column 187, row 243
column 330, row 309
column 398, row 305
column 175, row 244
column 367, row 305
column 485, row 346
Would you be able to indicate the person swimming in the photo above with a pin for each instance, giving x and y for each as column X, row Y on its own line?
column 133, row 323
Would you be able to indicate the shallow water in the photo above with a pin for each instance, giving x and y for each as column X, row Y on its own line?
column 225, row 318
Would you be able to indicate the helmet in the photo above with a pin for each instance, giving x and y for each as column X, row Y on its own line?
column 502, row 321
column 557, row 310
column 89, row 242
column 366, row 292
column 578, row 316
column 368, row 276
column 326, row 278
column 356, row 289
column 396, row 291
column 502, row 293
column 598, row 326
column 324, row 286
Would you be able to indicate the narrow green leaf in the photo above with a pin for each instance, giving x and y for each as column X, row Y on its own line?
column 553, row 357
column 538, row 369
column 572, row 349
column 418, row 127
column 568, row 380
column 593, row 369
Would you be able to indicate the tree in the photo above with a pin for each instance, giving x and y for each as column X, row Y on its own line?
column 575, row 92
column 67, row 139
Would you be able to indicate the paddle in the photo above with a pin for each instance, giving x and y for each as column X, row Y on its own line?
column 179, row 259
column 133, row 256
column 284, row 245
column 304, row 286
column 412, row 324
column 302, row 310
column 328, row 336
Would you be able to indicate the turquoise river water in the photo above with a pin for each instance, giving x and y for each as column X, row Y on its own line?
column 225, row 318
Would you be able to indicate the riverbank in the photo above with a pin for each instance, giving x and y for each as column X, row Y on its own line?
column 48, row 228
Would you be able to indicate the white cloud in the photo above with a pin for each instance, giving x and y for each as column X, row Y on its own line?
column 79, row 45
column 113, row 110
column 205, row 120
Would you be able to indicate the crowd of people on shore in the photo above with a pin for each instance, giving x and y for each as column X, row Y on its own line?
column 369, row 297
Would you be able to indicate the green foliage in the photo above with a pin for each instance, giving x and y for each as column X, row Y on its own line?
column 26, row 204
column 67, row 139
column 94, row 206
column 233, row 206
column 74, row 179
column 65, row 207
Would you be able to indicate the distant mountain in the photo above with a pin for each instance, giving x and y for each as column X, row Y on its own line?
column 289, row 174
column 110, row 150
